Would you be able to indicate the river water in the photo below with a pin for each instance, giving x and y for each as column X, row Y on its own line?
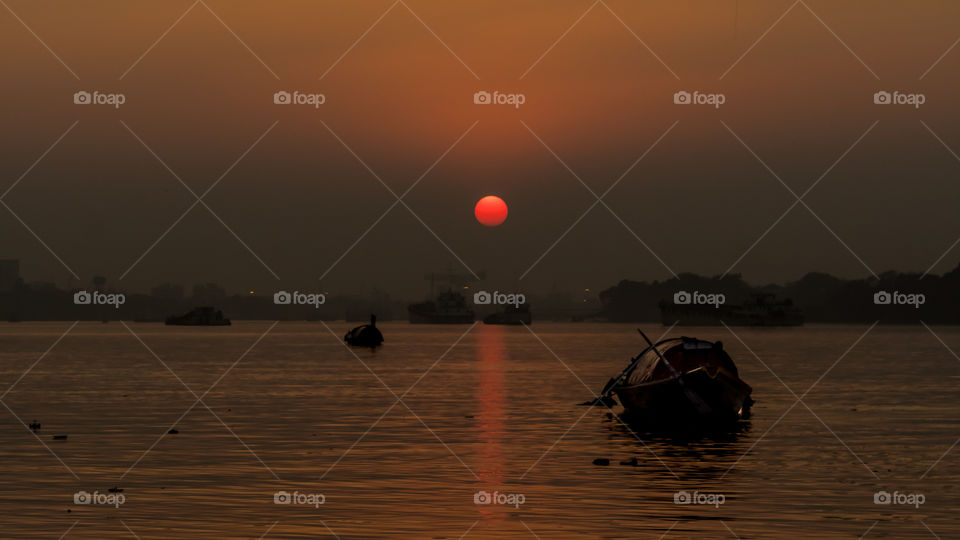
column 399, row 442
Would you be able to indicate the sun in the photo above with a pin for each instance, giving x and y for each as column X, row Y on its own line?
column 491, row 211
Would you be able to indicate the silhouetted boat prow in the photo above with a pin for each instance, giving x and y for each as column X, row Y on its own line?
column 367, row 335
column 201, row 316
column 682, row 382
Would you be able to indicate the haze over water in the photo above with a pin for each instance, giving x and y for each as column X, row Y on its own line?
column 497, row 412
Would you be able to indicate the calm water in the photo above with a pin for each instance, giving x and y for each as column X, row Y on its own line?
column 497, row 412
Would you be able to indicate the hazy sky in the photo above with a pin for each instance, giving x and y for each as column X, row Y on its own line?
column 801, row 95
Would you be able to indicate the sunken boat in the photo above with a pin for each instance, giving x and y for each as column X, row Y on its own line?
column 680, row 381
column 201, row 316
column 366, row 335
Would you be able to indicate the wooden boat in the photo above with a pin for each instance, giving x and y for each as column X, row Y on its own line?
column 682, row 380
column 367, row 335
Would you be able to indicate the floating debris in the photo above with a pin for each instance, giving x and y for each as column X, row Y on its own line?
column 601, row 461
column 632, row 462
column 115, row 489
column 59, row 437
column 35, row 425
column 173, row 431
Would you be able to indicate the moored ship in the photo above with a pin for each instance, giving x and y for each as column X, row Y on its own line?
column 449, row 307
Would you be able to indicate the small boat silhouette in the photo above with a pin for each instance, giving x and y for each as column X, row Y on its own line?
column 367, row 335
column 35, row 425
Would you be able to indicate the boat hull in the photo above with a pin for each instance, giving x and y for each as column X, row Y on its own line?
column 700, row 395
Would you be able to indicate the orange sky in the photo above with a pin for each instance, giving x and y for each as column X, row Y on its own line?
column 202, row 95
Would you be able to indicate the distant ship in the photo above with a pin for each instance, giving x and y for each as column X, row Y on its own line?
column 512, row 315
column 449, row 308
column 760, row 310
column 201, row 316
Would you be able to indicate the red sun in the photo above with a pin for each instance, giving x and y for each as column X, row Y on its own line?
column 491, row 211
